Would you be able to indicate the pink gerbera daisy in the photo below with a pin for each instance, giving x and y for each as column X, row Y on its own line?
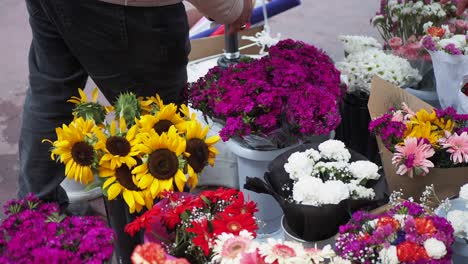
column 230, row 248
column 457, row 146
column 277, row 251
column 412, row 157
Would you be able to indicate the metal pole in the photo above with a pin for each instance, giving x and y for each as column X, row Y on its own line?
column 231, row 53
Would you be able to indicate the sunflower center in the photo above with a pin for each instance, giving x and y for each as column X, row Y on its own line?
column 82, row 153
column 198, row 154
column 124, row 176
column 163, row 164
column 118, row 146
column 162, row 126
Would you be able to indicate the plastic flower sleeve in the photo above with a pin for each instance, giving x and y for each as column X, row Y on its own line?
column 308, row 222
column 449, row 71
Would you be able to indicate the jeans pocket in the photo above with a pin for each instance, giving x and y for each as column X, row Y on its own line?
column 93, row 24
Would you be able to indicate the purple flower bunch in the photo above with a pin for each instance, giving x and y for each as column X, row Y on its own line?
column 403, row 234
column 390, row 130
column 35, row 232
column 295, row 89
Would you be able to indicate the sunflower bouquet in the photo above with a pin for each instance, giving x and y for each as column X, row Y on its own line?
column 422, row 140
column 139, row 148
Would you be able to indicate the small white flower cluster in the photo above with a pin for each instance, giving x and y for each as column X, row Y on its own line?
column 354, row 44
column 417, row 8
column 361, row 67
column 327, row 176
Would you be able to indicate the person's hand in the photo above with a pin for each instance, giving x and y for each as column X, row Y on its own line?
column 461, row 6
column 244, row 18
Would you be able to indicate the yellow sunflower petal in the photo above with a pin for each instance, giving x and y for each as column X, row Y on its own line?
column 95, row 94
column 108, row 182
column 212, row 140
column 166, row 185
column 128, row 197
column 145, row 181
column 180, row 180
column 113, row 191
column 83, row 96
column 154, row 188
column 143, row 168
column 122, row 124
column 138, row 197
column 112, row 128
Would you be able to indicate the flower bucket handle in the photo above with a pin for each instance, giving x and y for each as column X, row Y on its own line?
column 258, row 185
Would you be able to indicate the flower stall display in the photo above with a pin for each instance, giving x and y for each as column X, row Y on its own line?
column 449, row 52
column 456, row 212
column 187, row 225
column 417, row 140
column 36, row 232
column 367, row 59
column 268, row 105
column 405, row 233
column 317, row 185
column 139, row 148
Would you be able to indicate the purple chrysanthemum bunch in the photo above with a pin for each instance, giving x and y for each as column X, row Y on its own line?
column 295, row 90
column 35, row 232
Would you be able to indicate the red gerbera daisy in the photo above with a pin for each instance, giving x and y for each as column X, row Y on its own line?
column 143, row 221
column 227, row 223
column 239, row 206
column 202, row 235
column 220, row 194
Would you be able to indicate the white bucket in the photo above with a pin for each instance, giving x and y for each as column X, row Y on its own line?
column 77, row 192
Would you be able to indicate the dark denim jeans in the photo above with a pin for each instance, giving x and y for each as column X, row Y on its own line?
column 143, row 50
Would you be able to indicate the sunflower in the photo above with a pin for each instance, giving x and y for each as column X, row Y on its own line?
column 199, row 151
column 120, row 147
column 151, row 104
column 121, row 181
column 162, row 163
column 166, row 117
column 89, row 109
column 74, row 149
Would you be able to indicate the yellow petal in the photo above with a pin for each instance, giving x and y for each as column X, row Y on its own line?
column 138, row 197
column 83, row 96
column 154, row 188
column 180, row 180
column 112, row 128
column 95, row 94
column 122, row 124
column 143, row 168
column 108, row 182
column 113, row 191
column 145, row 181
column 212, row 140
column 165, row 185
column 128, row 197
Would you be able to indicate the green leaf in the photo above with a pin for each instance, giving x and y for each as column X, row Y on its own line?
column 206, row 200
column 184, row 216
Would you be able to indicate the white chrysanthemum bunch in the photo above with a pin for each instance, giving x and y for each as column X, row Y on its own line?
column 327, row 177
column 354, row 44
column 361, row 67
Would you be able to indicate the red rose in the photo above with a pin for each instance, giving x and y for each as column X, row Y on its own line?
column 425, row 226
column 436, row 32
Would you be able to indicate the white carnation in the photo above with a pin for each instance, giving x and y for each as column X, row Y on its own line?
column 313, row 155
column 401, row 218
column 313, row 191
column 464, row 192
column 299, row 165
column 334, row 150
column 307, row 190
column 435, row 248
column 363, row 169
column 458, row 40
column 389, row 255
column 458, row 219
